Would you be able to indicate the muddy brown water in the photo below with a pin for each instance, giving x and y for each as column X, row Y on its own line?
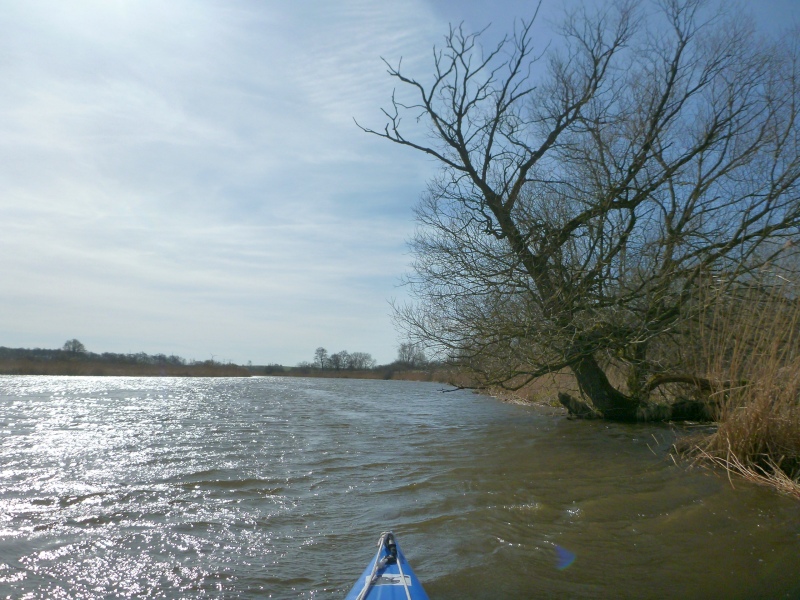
column 278, row 488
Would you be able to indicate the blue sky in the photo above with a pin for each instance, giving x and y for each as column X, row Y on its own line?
column 185, row 177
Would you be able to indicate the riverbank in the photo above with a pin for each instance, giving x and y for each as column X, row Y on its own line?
column 59, row 363
column 756, row 435
column 91, row 368
column 386, row 373
column 74, row 359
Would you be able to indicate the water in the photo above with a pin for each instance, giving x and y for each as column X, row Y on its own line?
column 278, row 488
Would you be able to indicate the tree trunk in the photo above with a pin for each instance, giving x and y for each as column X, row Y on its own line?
column 613, row 404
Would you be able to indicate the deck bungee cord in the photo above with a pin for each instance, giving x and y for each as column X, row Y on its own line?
column 386, row 541
column 384, row 575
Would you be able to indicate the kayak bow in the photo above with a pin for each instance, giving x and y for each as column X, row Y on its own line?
column 388, row 576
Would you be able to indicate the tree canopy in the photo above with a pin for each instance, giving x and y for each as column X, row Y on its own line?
column 588, row 189
column 74, row 346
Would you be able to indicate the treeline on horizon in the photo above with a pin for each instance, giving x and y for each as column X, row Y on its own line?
column 74, row 359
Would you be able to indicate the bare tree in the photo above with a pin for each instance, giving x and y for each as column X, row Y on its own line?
column 340, row 360
column 74, row 346
column 361, row 361
column 321, row 357
column 585, row 192
column 411, row 355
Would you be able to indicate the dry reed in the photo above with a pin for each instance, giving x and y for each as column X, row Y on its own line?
column 749, row 339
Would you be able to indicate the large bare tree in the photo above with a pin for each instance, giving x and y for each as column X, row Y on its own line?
column 588, row 188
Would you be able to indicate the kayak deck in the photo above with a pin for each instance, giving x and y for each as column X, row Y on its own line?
column 388, row 576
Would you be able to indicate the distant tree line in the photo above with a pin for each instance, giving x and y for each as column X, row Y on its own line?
column 74, row 359
column 340, row 361
column 75, row 350
column 409, row 356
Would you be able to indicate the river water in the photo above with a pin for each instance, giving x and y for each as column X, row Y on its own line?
column 279, row 488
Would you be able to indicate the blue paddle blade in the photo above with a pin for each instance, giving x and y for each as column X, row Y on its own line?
column 565, row 558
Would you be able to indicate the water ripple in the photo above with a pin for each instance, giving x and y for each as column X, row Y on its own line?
column 267, row 487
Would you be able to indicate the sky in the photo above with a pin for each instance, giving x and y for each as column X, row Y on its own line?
column 186, row 177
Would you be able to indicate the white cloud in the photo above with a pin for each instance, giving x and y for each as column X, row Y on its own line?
column 188, row 173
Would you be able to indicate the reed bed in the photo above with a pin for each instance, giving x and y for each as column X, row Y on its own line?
column 749, row 339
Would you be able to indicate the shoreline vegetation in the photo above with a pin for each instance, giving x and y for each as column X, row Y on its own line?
column 744, row 349
column 75, row 360
column 754, row 435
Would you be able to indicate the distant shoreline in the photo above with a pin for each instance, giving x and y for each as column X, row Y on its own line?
column 384, row 373
column 74, row 360
column 85, row 368
column 90, row 368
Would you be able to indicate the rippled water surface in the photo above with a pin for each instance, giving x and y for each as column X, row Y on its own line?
column 278, row 488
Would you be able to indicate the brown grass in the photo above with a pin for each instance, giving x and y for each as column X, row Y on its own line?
column 751, row 342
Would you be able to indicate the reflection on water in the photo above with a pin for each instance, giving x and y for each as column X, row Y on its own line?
column 175, row 488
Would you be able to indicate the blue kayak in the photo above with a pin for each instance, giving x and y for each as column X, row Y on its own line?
column 388, row 576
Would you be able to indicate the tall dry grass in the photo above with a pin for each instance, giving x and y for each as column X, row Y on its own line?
column 749, row 339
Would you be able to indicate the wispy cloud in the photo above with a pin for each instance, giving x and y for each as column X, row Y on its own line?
column 186, row 176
